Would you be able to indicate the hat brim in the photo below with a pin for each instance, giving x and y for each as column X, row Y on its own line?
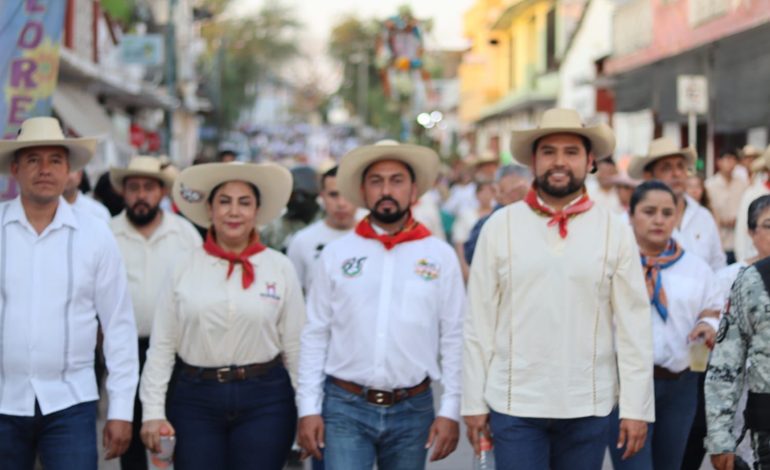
column 762, row 163
column 81, row 150
column 601, row 137
column 422, row 160
column 638, row 164
column 118, row 176
column 192, row 188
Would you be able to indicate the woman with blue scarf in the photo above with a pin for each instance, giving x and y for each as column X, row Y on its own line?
column 684, row 308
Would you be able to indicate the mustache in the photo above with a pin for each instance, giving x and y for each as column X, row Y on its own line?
column 386, row 199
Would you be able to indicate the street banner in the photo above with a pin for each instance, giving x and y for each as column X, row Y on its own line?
column 30, row 31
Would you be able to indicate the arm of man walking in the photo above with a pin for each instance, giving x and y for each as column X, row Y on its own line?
column 113, row 306
column 725, row 375
column 445, row 431
column 631, row 310
column 314, row 344
column 479, row 334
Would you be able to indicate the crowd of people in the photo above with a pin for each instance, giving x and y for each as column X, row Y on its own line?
column 246, row 309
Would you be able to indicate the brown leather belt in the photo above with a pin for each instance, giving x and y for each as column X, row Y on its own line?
column 665, row 374
column 382, row 397
column 231, row 373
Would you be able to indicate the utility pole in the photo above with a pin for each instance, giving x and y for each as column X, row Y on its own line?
column 170, row 73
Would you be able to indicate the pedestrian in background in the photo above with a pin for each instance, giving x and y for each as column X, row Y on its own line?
column 61, row 277
column 558, row 314
column 684, row 307
column 760, row 165
column 152, row 242
column 384, row 321
column 725, row 191
column 232, row 313
column 301, row 210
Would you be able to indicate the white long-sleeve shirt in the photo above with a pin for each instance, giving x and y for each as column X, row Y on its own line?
column 698, row 233
column 539, row 338
column 54, row 288
column 212, row 321
column 384, row 319
column 150, row 261
column 691, row 287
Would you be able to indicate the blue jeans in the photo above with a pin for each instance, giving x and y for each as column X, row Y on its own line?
column 542, row 443
column 64, row 440
column 358, row 432
column 675, row 403
column 240, row 424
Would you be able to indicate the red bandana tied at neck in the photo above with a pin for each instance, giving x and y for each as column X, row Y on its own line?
column 559, row 217
column 412, row 230
column 254, row 247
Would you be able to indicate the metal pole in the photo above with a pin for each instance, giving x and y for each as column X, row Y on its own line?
column 692, row 127
column 170, row 72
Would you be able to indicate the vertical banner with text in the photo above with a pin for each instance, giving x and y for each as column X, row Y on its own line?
column 30, row 32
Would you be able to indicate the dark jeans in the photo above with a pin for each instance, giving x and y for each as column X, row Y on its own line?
column 240, row 424
column 695, row 450
column 64, row 440
column 358, row 433
column 675, row 402
column 555, row 444
column 135, row 457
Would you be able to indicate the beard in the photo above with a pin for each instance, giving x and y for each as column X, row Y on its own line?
column 141, row 218
column 388, row 216
column 573, row 185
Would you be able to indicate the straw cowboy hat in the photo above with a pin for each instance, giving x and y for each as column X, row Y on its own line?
column 43, row 132
column 763, row 162
column 749, row 151
column 659, row 148
column 146, row 167
column 487, row 156
column 562, row 121
column 422, row 160
column 192, row 188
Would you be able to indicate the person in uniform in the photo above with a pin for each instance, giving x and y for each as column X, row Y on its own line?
column 384, row 320
column 559, row 321
column 232, row 313
column 741, row 356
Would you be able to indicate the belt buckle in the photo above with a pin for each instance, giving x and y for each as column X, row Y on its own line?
column 382, row 398
column 221, row 378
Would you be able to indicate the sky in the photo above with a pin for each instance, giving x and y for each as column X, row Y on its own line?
column 319, row 16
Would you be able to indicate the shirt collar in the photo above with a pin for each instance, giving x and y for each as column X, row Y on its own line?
column 64, row 215
column 571, row 203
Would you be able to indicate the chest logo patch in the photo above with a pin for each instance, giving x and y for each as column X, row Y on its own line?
column 427, row 269
column 352, row 267
column 271, row 291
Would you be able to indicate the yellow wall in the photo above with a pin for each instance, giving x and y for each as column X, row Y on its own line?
column 488, row 72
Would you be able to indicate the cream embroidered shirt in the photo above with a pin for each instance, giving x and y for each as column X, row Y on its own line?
column 539, row 334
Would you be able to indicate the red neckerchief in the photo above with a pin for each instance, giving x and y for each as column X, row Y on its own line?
column 559, row 217
column 767, row 184
column 254, row 247
column 412, row 230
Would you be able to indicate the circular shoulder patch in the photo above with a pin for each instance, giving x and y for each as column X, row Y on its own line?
column 724, row 325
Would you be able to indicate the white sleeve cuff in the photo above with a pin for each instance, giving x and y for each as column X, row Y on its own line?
column 712, row 322
column 309, row 406
column 121, row 408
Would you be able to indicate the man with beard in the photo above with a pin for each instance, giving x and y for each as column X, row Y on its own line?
column 301, row 211
column 552, row 277
column 151, row 241
column 384, row 320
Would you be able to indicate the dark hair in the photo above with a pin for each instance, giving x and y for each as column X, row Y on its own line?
column 330, row 173
column 222, row 154
column 727, row 154
column 641, row 192
column 408, row 168
column 106, row 194
column 250, row 185
column 586, row 143
column 607, row 160
column 756, row 208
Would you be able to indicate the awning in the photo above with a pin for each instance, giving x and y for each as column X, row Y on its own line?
column 80, row 111
column 505, row 20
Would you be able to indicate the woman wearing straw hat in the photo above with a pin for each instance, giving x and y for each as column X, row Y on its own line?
column 233, row 315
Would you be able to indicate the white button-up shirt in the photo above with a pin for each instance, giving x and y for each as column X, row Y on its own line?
column 54, row 288
column 149, row 261
column 698, row 234
column 90, row 206
column 691, row 288
column 384, row 319
column 212, row 321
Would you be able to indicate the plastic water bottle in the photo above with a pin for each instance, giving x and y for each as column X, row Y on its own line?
column 486, row 458
column 165, row 457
